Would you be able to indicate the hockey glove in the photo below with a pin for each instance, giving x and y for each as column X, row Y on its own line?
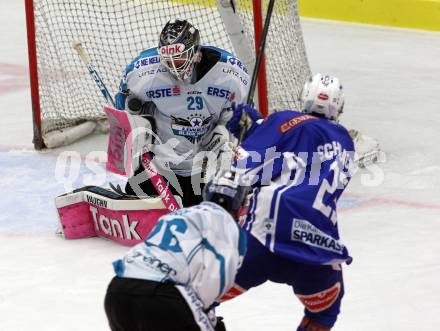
column 235, row 126
column 216, row 321
column 220, row 326
column 214, row 140
column 367, row 149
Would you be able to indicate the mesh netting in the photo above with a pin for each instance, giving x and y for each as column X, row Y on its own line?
column 114, row 31
column 287, row 67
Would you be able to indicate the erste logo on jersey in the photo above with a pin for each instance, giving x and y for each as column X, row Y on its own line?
column 236, row 62
column 172, row 49
column 164, row 92
column 220, row 92
column 147, row 61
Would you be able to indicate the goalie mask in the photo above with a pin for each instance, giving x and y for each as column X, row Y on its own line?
column 227, row 189
column 323, row 95
column 178, row 48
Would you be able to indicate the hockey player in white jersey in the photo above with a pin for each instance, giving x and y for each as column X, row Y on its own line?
column 189, row 260
column 187, row 90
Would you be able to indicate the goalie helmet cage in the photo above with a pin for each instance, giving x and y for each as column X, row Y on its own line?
column 113, row 32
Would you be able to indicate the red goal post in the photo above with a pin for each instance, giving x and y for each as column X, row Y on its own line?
column 67, row 105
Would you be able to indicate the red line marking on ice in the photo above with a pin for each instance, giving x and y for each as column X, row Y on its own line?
column 13, row 78
column 45, row 153
column 384, row 201
column 15, row 148
column 369, row 202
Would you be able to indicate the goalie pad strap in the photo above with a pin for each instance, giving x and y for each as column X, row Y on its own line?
column 93, row 211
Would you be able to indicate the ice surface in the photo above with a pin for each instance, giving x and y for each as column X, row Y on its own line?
column 389, row 217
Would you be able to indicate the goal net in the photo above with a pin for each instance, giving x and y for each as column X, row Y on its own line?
column 113, row 32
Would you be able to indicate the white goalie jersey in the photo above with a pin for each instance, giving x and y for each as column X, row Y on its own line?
column 199, row 249
column 185, row 111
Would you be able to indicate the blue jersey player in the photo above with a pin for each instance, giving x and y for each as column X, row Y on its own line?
column 300, row 163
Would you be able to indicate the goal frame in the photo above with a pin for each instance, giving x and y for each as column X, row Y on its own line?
column 33, row 75
column 38, row 141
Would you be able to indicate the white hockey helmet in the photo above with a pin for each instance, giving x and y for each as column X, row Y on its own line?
column 323, row 94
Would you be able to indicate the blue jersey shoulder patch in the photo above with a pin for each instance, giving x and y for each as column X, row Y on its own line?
column 146, row 57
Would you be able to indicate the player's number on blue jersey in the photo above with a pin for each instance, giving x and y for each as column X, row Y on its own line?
column 195, row 103
column 164, row 234
column 326, row 187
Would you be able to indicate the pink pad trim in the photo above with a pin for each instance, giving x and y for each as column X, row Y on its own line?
column 76, row 221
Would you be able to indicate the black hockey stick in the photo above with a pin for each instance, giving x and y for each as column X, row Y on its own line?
column 250, row 99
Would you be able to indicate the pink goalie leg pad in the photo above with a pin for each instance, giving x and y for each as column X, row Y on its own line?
column 76, row 221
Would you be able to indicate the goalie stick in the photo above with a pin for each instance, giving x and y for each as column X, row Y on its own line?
column 93, row 72
column 250, row 99
column 155, row 177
